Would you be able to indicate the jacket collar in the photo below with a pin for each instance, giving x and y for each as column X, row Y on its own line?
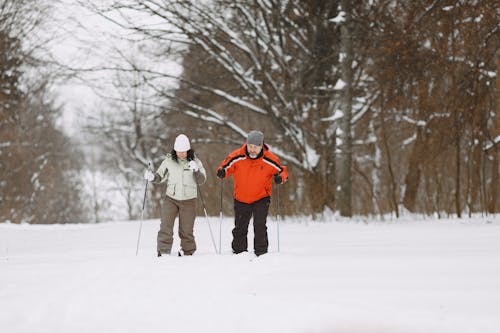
column 245, row 152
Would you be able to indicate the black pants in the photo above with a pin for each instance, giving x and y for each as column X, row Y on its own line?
column 243, row 213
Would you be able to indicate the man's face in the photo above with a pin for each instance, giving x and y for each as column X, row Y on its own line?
column 182, row 154
column 253, row 150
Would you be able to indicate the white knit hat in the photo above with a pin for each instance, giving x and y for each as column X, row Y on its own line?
column 181, row 143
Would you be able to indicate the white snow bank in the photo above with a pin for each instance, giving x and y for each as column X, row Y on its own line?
column 343, row 277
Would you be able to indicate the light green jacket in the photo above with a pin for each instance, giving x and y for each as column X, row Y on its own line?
column 181, row 181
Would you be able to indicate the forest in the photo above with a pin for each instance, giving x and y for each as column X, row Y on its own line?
column 377, row 107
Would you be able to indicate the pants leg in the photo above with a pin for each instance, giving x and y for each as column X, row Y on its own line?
column 260, row 211
column 187, row 215
column 165, row 237
column 242, row 215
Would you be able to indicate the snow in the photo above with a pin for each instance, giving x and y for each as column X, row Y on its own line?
column 410, row 140
column 339, row 85
column 336, row 116
column 410, row 120
column 340, row 18
column 238, row 101
column 491, row 74
column 495, row 141
column 358, row 276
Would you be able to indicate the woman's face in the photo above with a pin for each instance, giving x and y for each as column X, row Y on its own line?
column 182, row 154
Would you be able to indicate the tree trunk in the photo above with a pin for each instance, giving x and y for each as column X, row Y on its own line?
column 495, row 176
column 495, row 183
column 393, row 188
column 330, row 177
column 412, row 179
column 458, row 205
column 345, row 172
column 376, row 176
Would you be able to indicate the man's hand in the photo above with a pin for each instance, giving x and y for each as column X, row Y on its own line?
column 278, row 179
column 221, row 173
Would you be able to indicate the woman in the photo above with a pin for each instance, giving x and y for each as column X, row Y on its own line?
column 181, row 171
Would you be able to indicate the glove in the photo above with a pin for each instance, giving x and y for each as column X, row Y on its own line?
column 193, row 166
column 221, row 173
column 149, row 175
column 278, row 179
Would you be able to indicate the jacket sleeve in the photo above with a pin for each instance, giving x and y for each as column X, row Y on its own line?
column 229, row 163
column 201, row 174
column 280, row 169
column 161, row 174
column 284, row 173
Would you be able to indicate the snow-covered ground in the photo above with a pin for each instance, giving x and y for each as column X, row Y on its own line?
column 337, row 276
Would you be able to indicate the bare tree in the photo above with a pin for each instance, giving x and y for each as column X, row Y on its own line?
column 345, row 164
column 414, row 102
column 278, row 60
column 39, row 180
column 495, row 166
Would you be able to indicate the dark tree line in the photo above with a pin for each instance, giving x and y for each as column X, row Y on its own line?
column 39, row 180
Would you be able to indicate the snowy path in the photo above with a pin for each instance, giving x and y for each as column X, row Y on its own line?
column 342, row 277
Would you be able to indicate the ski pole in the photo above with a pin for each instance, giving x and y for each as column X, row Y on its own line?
column 278, row 218
column 221, row 216
column 150, row 166
column 206, row 216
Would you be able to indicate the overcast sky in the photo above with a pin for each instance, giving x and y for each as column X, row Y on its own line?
column 87, row 40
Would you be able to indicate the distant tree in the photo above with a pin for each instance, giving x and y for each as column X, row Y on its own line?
column 275, row 67
column 377, row 107
column 345, row 163
column 39, row 181
column 430, row 63
column 129, row 135
column 494, row 147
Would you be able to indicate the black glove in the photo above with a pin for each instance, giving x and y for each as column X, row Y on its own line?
column 278, row 179
column 221, row 173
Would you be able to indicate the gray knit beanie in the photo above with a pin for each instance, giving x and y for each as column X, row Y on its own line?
column 255, row 138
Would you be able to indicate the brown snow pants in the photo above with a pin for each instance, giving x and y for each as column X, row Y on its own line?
column 170, row 208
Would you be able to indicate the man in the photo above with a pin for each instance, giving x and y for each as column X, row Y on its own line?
column 253, row 166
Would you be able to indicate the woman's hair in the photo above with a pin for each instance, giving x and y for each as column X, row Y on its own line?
column 190, row 155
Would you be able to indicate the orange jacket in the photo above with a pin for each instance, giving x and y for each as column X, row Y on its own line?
column 252, row 177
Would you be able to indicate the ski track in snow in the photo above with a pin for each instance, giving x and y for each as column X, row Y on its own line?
column 336, row 276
